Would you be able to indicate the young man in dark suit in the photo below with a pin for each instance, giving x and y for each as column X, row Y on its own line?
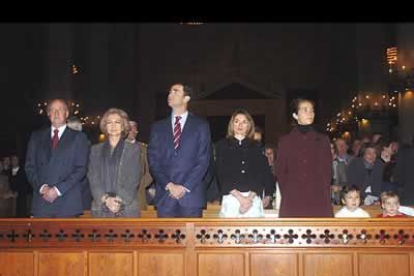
column 179, row 155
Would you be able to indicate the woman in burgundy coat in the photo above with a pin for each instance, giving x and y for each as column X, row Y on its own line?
column 303, row 167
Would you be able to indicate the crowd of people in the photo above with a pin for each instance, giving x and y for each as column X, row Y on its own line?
column 180, row 169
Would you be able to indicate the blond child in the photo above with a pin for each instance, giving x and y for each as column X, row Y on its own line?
column 390, row 204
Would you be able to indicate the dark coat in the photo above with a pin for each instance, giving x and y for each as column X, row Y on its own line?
column 405, row 174
column 303, row 169
column 357, row 175
column 243, row 167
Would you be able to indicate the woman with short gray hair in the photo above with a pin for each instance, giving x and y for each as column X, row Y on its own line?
column 114, row 169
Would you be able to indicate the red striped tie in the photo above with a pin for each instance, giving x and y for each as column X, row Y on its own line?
column 177, row 132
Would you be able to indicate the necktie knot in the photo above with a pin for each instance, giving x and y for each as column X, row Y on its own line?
column 177, row 119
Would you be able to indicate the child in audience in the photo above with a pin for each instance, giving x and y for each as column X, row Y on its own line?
column 350, row 197
column 390, row 206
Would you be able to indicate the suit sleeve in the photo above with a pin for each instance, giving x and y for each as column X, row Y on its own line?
column 79, row 166
column 94, row 176
column 202, row 162
column 30, row 165
column 154, row 158
column 127, row 191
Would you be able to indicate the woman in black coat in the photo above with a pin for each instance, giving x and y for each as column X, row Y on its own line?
column 242, row 171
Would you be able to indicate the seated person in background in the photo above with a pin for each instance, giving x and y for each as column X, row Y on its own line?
column 350, row 197
column 390, row 206
column 366, row 173
column 146, row 178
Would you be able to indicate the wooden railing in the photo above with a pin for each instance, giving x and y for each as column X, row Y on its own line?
column 358, row 247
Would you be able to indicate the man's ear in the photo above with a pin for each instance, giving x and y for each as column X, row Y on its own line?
column 187, row 99
column 295, row 116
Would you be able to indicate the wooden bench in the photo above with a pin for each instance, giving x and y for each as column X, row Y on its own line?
column 213, row 211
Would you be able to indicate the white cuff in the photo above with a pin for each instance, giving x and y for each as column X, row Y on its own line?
column 57, row 190
column 41, row 188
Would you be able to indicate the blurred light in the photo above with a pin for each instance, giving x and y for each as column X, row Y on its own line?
column 76, row 112
column 408, row 95
column 367, row 96
column 365, row 121
column 101, row 137
column 403, row 67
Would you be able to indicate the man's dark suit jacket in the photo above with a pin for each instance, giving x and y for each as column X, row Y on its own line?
column 64, row 167
column 186, row 165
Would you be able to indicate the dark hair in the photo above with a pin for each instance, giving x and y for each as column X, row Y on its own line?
column 188, row 90
column 366, row 146
column 345, row 190
column 294, row 105
column 270, row 146
column 258, row 129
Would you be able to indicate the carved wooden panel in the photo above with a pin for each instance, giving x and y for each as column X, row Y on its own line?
column 219, row 263
column 305, row 236
column 269, row 264
column 76, row 232
column 384, row 264
column 161, row 264
column 16, row 264
column 62, row 264
column 332, row 264
column 110, row 264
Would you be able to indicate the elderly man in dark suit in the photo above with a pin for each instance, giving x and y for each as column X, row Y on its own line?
column 179, row 155
column 56, row 164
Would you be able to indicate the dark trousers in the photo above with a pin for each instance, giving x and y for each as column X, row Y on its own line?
column 172, row 209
